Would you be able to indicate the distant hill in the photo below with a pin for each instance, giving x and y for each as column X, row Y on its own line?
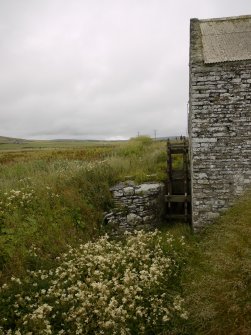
column 11, row 140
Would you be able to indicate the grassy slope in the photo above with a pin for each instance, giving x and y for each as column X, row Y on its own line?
column 8, row 140
column 218, row 283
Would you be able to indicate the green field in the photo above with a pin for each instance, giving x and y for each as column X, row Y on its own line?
column 52, row 198
column 11, row 144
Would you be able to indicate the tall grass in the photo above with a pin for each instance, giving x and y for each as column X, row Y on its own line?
column 52, row 199
column 49, row 210
column 140, row 159
column 218, row 281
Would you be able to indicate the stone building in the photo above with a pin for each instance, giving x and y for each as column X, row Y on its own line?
column 219, row 114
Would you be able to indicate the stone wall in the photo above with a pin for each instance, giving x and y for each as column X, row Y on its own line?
column 136, row 207
column 219, row 131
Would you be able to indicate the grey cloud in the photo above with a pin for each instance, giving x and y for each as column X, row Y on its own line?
column 98, row 69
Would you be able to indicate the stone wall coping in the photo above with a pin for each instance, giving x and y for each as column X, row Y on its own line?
column 144, row 187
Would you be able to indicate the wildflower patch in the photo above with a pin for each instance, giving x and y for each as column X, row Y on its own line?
column 103, row 287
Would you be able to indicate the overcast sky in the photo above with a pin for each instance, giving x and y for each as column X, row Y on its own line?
column 101, row 69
